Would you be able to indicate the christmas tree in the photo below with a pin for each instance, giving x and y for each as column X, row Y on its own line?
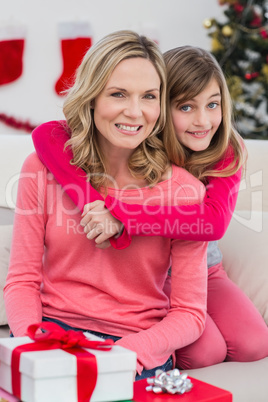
column 240, row 44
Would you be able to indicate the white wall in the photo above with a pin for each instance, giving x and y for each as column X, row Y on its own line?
column 32, row 96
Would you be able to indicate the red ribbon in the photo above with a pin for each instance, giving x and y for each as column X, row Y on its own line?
column 70, row 341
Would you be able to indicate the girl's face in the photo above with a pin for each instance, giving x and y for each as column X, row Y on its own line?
column 127, row 109
column 197, row 120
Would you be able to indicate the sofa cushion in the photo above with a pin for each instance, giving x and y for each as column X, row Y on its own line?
column 245, row 255
column 5, row 243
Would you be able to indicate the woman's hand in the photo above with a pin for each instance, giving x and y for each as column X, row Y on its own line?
column 99, row 223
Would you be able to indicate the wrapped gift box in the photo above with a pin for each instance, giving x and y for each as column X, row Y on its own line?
column 201, row 392
column 50, row 375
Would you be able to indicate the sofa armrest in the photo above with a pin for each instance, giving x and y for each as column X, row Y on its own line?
column 14, row 148
column 5, row 244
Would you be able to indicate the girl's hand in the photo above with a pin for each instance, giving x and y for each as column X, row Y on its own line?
column 99, row 223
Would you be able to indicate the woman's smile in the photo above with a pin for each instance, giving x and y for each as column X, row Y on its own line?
column 128, row 129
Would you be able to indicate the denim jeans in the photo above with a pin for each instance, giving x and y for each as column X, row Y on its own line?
column 145, row 373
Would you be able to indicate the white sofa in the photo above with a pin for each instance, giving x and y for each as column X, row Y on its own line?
column 245, row 250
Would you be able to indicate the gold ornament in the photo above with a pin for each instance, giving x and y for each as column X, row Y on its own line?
column 227, row 30
column 235, row 87
column 222, row 2
column 207, row 23
column 264, row 71
column 216, row 45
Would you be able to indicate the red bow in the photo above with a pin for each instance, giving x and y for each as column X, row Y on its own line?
column 70, row 341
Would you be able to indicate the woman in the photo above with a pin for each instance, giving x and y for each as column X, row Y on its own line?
column 114, row 113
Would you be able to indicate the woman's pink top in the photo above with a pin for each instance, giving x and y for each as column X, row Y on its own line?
column 206, row 221
column 55, row 271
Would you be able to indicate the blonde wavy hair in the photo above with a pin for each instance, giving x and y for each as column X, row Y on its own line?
column 189, row 71
column 149, row 160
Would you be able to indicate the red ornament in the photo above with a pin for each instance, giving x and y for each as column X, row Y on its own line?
column 251, row 76
column 264, row 34
column 256, row 22
column 238, row 8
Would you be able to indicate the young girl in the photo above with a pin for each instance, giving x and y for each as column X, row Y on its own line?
column 209, row 147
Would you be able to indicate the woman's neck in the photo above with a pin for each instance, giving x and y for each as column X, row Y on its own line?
column 118, row 173
column 119, row 176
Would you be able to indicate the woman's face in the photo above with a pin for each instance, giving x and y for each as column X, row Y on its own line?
column 127, row 109
column 197, row 120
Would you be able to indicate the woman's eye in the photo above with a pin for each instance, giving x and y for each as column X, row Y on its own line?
column 212, row 105
column 150, row 96
column 117, row 94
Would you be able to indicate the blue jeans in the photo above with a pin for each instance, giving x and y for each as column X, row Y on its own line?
column 145, row 373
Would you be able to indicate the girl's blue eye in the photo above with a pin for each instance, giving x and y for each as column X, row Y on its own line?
column 185, row 108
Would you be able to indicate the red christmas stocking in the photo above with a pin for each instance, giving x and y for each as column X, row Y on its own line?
column 12, row 39
column 76, row 39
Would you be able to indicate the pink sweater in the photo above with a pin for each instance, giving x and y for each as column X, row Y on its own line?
column 205, row 221
column 57, row 272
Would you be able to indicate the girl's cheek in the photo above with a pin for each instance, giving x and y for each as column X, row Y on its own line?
column 176, row 118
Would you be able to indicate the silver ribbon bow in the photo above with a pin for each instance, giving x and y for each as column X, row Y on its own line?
column 171, row 382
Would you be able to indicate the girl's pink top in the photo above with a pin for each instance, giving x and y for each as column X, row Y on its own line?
column 206, row 221
column 55, row 271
